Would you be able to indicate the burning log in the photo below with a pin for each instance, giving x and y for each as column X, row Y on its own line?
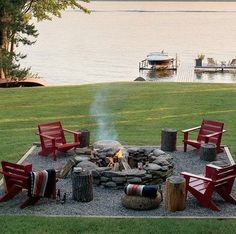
column 116, row 166
column 125, row 164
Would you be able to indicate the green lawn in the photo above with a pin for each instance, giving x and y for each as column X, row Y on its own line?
column 26, row 224
column 136, row 113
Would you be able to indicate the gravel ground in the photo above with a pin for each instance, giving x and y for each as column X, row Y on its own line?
column 107, row 202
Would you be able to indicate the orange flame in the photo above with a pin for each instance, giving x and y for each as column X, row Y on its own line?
column 119, row 154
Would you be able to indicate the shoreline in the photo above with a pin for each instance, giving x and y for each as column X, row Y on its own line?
column 162, row 1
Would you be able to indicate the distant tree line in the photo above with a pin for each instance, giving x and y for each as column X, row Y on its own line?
column 16, row 27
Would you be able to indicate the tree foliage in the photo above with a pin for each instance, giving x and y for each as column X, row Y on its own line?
column 16, row 27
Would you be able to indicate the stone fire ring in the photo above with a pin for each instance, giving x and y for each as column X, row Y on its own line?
column 157, row 166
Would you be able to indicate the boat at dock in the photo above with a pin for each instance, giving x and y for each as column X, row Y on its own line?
column 158, row 61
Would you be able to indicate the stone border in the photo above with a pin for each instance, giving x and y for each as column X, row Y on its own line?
column 127, row 217
column 229, row 155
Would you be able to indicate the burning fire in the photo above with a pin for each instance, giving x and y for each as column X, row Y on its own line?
column 119, row 154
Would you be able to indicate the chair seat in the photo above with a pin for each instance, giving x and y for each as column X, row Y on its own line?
column 198, row 184
column 67, row 146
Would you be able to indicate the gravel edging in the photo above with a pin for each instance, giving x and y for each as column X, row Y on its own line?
column 107, row 203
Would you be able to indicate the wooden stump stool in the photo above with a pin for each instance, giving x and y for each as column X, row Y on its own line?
column 82, row 186
column 84, row 138
column 168, row 139
column 175, row 193
column 208, row 152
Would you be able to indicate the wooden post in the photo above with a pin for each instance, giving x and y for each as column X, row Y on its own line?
column 208, row 152
column 82, row 186
column 168, row 139
column 175, row 193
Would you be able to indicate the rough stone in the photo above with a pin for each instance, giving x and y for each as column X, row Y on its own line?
column 140, row 203
column 147, row 176
column 84, row 150
column 110, row 184
column 167, row 157
column 135, row 172
column 135, row 180
column 119, row 179
column 139, row 79
column 81, row 158
column 164, row 168
column 96, row 181
column 96, row 174
column 113, row 174
column 158, row 152
column 161, row 161
column 152, row 167
column 87, row 165
column 101, row 169
column 104, row 179
column 158, row 173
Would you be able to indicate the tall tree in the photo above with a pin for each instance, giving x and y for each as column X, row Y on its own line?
column 16, row 27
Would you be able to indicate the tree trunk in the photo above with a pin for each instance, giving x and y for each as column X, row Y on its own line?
column 175, row 194
column 3, row 46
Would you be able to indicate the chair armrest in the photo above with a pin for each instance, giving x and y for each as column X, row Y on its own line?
column 77, row 134
column 214, row 134
column 191, row 129
column 70, row 131
column 201, row 177
column 213, row 166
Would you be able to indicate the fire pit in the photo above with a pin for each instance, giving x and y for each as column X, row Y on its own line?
column 115, row 165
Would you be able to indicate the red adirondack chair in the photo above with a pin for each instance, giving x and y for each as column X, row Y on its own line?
column 216, row 179
column 53, row 139
column 209, row 132
column 16, row 178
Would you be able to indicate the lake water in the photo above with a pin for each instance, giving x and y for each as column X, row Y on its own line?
column 108, row 44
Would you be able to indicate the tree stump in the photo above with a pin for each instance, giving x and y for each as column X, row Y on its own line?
column 84, row 138
column 175, row 193
column 82, row 186
column 168, row 139
column 208, row 152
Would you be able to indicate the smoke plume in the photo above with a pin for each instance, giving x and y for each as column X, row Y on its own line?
column 105, row 126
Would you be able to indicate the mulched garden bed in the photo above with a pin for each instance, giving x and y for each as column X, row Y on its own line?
column 107, row 202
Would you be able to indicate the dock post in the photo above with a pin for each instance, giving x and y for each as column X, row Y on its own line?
column 176, row 62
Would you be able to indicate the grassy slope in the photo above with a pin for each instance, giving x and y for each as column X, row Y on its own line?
column 138, row 111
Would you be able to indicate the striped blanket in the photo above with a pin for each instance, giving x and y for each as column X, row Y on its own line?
column 141, row 190
column 42, row 183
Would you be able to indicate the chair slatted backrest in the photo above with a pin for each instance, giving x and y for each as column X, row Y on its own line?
column 12, row 171
column 53, row 129
column 209, row 127
column 224, row 175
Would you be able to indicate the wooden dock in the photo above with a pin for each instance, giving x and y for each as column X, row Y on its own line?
column 214, row 68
